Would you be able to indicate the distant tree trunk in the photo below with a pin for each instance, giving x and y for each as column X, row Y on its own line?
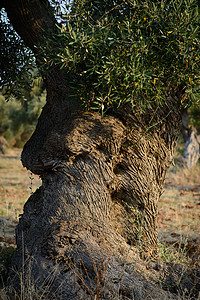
column 191, row 138
column 101, row 182
column 3, row 145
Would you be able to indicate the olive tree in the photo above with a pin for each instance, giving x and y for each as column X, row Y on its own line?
column 118, row 76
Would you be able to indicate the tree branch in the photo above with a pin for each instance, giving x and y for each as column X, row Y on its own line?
column 32, row 20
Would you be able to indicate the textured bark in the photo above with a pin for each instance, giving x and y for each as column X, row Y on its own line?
column 31, row 20
column 191, row 139
column 34, row 21
column 3, row 145
column 101, row 182
column 192, row 149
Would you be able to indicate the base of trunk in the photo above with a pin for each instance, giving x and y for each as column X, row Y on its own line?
column 85, row 230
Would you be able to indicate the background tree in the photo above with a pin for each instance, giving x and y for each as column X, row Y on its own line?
column 190, row 132
column 18, row 117
column 117, row 75
column 17, row 62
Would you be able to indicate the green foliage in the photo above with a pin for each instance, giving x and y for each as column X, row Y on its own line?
column 194, row 116
column 176, row 253
column 17, row 63
column 18, row 118
column 128, row 51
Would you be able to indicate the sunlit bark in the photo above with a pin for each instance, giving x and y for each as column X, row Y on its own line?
column 101, row 177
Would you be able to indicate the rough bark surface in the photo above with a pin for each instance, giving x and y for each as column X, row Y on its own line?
column 192, row 149
column 191, row 139
column 96, row 211
column 3, row 145
column 83, row 232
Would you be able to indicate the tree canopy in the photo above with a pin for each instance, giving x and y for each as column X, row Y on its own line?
column 113, row 52
column 17, row 63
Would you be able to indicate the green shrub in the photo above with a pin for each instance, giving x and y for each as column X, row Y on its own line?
column 19, row 118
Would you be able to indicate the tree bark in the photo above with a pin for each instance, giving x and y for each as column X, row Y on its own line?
column 192, row 149
column 101, row 182
column 34, row 21
column 191, row 139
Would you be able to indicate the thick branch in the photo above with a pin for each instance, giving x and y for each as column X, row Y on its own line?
column 34, row 20
column 31, row 20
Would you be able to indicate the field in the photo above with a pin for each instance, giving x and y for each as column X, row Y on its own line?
column 16, row 186
column 178, row 218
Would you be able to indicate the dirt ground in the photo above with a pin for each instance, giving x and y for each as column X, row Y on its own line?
column 16, row 186
column 179, row 206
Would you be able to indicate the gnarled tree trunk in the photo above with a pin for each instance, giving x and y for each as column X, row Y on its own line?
column 101, row 182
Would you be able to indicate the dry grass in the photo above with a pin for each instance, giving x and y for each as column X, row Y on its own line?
column 179, row 211
column 184, row 176
column 179, row 206
column 16, row 186
column 179, row 216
